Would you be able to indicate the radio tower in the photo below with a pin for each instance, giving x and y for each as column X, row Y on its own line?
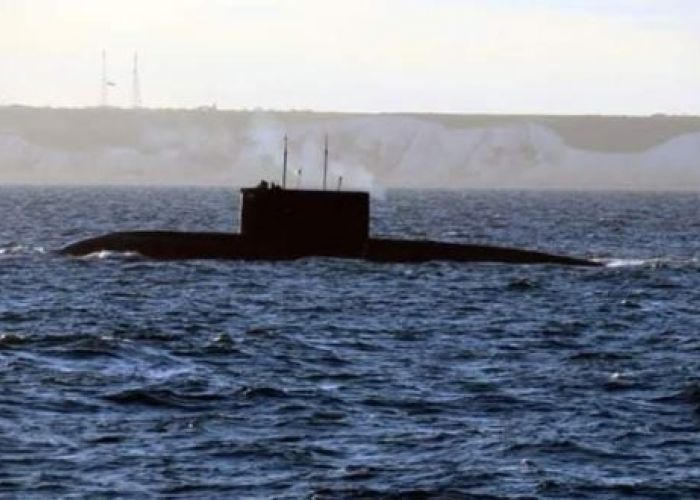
column 135, row 84
column 104, row 84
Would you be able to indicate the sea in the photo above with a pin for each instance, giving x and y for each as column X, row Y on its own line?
column 331, row 379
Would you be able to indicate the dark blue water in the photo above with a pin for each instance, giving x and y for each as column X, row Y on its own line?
column 326, row 378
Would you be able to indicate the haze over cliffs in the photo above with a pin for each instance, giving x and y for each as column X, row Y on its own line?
column 234, row 148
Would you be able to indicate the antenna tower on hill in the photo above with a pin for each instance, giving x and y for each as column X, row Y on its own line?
column 135, row 84
column 104, row 83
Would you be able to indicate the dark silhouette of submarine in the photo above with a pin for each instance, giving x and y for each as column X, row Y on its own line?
column 283, row 224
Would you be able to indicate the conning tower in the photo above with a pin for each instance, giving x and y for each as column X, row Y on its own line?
column 299, row 222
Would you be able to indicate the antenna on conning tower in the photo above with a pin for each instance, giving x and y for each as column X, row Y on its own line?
column 135, row 84
column 325, row 162
column 284, row 164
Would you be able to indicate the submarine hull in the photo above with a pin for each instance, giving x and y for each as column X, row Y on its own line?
column 171, row 245
column 391, row 250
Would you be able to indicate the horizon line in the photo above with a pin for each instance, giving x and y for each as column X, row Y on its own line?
column 216, row 109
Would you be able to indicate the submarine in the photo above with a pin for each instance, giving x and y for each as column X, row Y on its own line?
column 277, row 223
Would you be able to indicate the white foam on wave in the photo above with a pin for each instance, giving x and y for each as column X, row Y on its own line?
column 659, row 261
column 110, row 254
column 19, row 249
column 625, row 262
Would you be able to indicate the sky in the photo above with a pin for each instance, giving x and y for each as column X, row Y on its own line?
column 629, row 57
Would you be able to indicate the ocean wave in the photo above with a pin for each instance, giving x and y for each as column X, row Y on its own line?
column 163, row 398
column 15, row 249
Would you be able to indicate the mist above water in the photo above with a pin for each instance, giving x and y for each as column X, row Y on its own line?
column 367, row 151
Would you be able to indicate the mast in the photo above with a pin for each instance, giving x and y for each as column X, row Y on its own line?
column 325, row 162
column 284, row 163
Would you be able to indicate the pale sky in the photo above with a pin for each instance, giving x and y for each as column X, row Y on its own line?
column 455, row 56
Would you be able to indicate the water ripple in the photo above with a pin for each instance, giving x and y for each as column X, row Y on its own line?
column 324, row 378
